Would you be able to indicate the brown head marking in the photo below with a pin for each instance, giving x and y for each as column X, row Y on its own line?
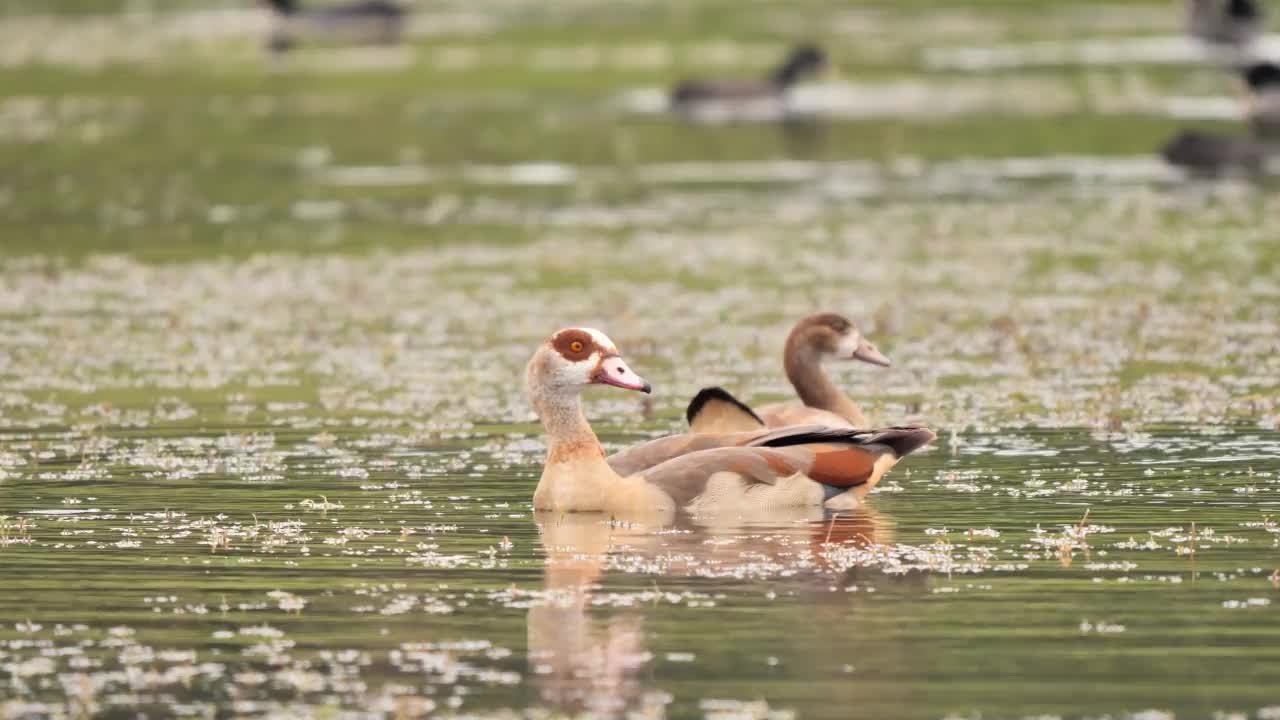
column 835, row 321
column 574, row 345
column 821, row 331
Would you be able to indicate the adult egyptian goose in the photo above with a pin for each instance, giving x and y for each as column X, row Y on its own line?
column 1227, row 23
column 363, row 22
column 812, row 340
column 764, row 99
column 745, row 473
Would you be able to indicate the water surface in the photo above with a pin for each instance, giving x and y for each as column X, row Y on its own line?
column 263, row 444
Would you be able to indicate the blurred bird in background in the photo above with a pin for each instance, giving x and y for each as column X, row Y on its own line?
column 759, row 100
column 1230, row 23
column 1232, row 26
column 364, row 22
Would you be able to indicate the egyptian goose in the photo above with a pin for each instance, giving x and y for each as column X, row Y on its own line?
column 363, row 22
column 813, row 339
column 747, row 99
column 1230, row 23
column 739, row 473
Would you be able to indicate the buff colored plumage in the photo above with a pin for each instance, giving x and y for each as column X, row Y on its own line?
column 725, row 473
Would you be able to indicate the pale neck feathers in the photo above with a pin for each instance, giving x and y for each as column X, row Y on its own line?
column 569, row 435
column 576, row 475
column 803, row 365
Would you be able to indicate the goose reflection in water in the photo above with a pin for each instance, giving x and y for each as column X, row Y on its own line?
column 599, row 662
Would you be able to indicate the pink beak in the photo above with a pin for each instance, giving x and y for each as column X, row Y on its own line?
column 614, row 371
column 869, row 353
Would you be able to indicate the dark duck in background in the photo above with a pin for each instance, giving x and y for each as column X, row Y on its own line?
column 366, row 22
column 736, row 100
column 1225, row 23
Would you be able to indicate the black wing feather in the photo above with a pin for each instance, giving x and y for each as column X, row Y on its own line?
column 709, row 394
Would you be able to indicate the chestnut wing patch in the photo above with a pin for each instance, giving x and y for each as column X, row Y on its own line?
column 843, row 467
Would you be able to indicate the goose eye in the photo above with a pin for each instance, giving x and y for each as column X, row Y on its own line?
column 576, row 346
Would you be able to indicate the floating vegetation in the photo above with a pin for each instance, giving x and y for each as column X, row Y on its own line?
column 265, row 447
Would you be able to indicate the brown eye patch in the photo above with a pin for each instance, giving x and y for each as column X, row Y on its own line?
column 573, row 345
column 835, row 322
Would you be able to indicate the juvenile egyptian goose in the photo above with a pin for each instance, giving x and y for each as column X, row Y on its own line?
column 1230, row 23
column 747, row 99
column 362, row 22
column 812, row 340
column 801, row 466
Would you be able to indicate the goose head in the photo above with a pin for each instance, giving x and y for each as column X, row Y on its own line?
column 834, row 335
column 1262, row 77
column 574, row 358
column 283, row 7
column 1243, row 10
column 803, row 60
